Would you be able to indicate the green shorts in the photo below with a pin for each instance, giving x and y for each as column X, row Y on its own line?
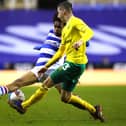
column 68, row 74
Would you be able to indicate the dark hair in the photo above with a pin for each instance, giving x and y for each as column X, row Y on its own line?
column 55, row 17
column 66, row 5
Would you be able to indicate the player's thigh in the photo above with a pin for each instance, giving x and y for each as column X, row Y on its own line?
column 48, row 82
column 46, row 74
column 62, row 73
column 26, row 79
column 58, row 75
column 29, row 76
column 69, row 85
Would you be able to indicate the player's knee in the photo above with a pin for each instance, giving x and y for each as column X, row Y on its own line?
column 65, row 99
column 48, row 83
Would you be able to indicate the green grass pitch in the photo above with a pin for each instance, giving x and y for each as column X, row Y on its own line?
column 52, row 112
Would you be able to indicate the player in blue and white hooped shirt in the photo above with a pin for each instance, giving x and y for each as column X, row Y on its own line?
column 47, row 50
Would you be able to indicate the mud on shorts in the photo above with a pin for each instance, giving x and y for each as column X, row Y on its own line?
column 68, row 74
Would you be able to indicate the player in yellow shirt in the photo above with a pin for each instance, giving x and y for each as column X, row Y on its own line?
column 75, row 34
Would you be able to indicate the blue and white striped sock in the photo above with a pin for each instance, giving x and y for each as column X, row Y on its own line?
column 3, row 90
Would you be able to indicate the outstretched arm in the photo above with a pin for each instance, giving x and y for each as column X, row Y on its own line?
column 55, row 58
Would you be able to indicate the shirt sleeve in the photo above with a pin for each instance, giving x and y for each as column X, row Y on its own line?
column 85, row 31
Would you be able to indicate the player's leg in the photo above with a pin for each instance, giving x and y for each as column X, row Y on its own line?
column 39, row 94
column 69, row 74
column 25, row 80
column 68, row 97
column 95, row 111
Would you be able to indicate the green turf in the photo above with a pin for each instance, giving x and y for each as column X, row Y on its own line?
column 52, row 112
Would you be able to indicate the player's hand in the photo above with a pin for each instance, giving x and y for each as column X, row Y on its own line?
column 42, row 70
column 77, row 44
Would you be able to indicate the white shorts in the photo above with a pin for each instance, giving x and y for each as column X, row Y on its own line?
column 36, row 69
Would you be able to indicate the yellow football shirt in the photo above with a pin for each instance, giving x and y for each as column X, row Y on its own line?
column 74, row 30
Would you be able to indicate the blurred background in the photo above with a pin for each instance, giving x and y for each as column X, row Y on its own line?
column 25, row 24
